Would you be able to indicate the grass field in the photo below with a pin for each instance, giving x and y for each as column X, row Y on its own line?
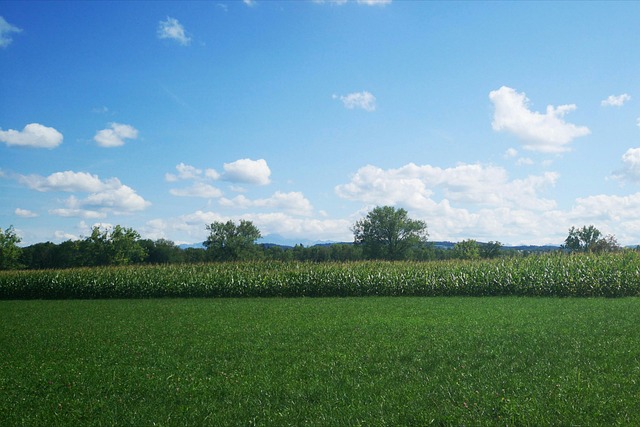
column 337, row 361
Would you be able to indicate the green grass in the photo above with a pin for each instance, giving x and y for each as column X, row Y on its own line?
column 349, row 361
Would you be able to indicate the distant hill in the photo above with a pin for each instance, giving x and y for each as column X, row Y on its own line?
column 279, row 241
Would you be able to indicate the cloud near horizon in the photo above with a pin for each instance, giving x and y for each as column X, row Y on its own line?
column 105, row 196
column 546, row 133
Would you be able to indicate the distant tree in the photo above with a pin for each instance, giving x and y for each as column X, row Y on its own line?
column 230, row 242
column 162, row 251
column 466, row 249
column 388, row 233
column 589, row 239
column 490, row 249
column 9, row 249
column 606, row 244
column 117, row 246
column 39, row 256
column 194, row 255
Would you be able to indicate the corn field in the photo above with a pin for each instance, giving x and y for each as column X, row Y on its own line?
column 585, row 275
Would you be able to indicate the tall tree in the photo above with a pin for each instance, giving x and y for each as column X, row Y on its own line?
column 9, row 249
column 389, row 233
column 230, row 242
column 589, row 239
column 117, row 246
column 466, row 249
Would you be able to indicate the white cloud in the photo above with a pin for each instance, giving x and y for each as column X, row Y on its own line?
column 364, row 100
column 107, row 196
column 631, row 166
column 471, row 184
column 293, row 203
column 249, row 3
column 33, row 135
column 122, row 199
column 186, row 172
column 62, row 235
column 68, row 181
column 363, row 2
column 374, row 2
column 115, row 135
column 6, row 30
column 198, row 189
column 510, row 153
column 547, row 133
column 615, row 100
column 77, row 213
column 25, row 213
column 247, row 171
column 172, row 29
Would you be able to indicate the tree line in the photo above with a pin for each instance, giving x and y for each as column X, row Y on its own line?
column 384, row 233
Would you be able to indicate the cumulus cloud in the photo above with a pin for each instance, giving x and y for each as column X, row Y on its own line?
column 173, row 30
column 198, row 189
column 363, row 100
column 108, row 195
column 243, row 171
column 77, row 213
column 630, row 171
column 115, row 135
column 363, row 2
column 374, row 2
column 615, row 100
column 247, row 171
column 547, row 133
column 186, row 172
column 68, row 181
column 6, row 30
column 33, row 135
column 25, row 213
column 293, row 203
column 471, row 184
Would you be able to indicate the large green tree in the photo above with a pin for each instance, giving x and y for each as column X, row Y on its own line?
column 466, row 249
column 389, row 233
column 589, row 239
column 113, row 246
column 9, row 249
column 230, row 242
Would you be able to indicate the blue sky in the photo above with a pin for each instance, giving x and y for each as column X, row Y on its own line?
column 507, row 121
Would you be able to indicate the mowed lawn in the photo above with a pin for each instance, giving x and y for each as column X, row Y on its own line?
column 326, row 361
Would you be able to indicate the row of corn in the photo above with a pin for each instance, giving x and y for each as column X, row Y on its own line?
column 585, row 275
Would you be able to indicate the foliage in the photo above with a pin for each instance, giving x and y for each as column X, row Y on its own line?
column 466, row 249
column 490, row 250
column 585, row 275
column 230, row 242
column 9, row 249
column 321, row 362
column 589, row 239
column 388, row 233
column 117, row 246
